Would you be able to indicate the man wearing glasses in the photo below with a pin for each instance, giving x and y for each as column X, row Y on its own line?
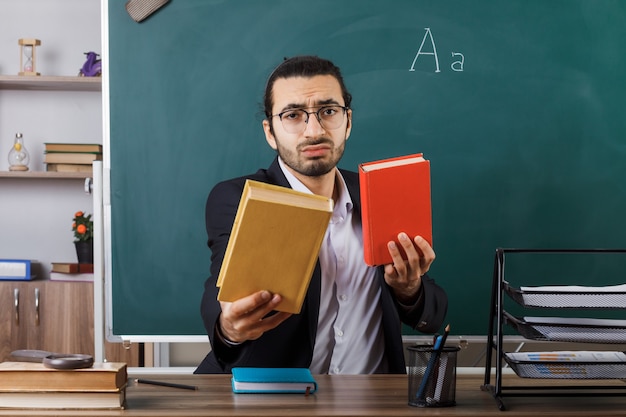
column 350, row 320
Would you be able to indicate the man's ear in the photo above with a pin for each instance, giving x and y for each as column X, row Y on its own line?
column 269, row 136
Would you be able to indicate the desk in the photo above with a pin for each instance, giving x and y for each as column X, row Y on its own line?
column 358, row 395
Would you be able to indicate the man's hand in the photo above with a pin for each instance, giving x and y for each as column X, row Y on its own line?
column 245, row 319
column 405, row 277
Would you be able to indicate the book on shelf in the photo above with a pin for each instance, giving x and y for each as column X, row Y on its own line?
column 16, row 269
column 54, row 167
column 395, row 197
column 274, row 244
column 66, row 276
column 54, row 400
column 35, row 377
column 72, row 147
column 71, row 157
column 71, row 267
column 273, row 380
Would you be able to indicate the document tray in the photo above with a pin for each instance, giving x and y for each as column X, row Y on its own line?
column 566, row 369
column 561, row 329
column 569, row 297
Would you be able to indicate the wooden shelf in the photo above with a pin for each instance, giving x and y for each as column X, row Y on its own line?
column 45, row 175
column 50, row 83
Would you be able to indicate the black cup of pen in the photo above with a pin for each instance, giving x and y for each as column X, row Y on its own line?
column 432, row 376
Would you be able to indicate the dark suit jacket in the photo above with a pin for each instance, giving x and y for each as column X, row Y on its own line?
column 291, row 343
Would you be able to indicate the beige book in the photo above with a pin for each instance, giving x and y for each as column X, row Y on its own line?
column 71, row 157
column 63, row 400
column 274, row 244
column 32, row 376
column 53, row 167
column 72, row 147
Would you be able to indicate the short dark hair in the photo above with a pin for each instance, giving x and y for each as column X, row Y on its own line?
column 302, row 66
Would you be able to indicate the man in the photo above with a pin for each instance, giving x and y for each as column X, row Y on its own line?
column 350, row 320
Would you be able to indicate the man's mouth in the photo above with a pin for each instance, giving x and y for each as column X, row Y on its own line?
column 317, row 150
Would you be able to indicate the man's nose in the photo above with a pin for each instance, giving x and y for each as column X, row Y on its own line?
column 313, row 125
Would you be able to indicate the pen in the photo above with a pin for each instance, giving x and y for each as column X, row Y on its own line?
column 439, row 345
column 165, row 384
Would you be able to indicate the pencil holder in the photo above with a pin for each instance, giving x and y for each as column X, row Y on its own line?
column 432, row 376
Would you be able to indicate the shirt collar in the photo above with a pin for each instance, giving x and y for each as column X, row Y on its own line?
column 344, row 202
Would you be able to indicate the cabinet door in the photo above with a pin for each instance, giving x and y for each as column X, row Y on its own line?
column 26, row 332
column 54, row 316
column 66, row 317
column 20, row 316
column 9, row 317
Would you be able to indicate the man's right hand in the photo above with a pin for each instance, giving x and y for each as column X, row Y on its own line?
column 247, row 318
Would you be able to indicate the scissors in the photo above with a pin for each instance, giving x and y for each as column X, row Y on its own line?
column 54, row 360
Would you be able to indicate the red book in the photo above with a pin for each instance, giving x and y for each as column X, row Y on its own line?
column 72, row 268
column 395, row 197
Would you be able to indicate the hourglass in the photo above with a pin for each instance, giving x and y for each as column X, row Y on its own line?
column 28, row 56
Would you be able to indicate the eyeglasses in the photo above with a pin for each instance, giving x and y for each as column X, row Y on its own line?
column 295, row 120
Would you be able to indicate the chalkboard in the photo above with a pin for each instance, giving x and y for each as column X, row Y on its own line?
column 518, row 104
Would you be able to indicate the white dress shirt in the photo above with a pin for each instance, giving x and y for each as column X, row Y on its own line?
column 349, row 337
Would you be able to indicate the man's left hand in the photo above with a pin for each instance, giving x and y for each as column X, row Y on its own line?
column 405, row 276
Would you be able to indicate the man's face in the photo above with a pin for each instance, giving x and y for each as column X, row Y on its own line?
column 316, row 149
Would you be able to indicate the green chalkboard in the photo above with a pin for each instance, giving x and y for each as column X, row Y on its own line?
column 519, row 105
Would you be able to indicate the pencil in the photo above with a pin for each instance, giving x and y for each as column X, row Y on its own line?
column 165, row 384
column 445, row 336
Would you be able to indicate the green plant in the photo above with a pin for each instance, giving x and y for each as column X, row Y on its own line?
column 82, row 227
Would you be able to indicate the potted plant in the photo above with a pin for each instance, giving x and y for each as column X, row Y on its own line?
column 82, row 227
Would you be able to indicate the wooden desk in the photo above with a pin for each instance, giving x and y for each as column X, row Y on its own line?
column 374, row 395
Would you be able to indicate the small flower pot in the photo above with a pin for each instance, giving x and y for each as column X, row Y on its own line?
column 84, row 251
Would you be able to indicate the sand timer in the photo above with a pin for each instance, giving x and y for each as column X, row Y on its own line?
column 28, row 56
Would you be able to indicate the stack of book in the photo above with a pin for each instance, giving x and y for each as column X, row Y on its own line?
column 31, row 385
column 71, row 157
column 69, row 271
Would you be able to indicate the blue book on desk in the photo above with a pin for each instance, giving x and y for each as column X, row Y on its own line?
column 273, row 380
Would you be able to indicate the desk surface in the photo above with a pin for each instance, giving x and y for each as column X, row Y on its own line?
column 358, row 395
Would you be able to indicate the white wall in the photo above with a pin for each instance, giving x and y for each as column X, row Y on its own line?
column 66, row 28
column 36, row 215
